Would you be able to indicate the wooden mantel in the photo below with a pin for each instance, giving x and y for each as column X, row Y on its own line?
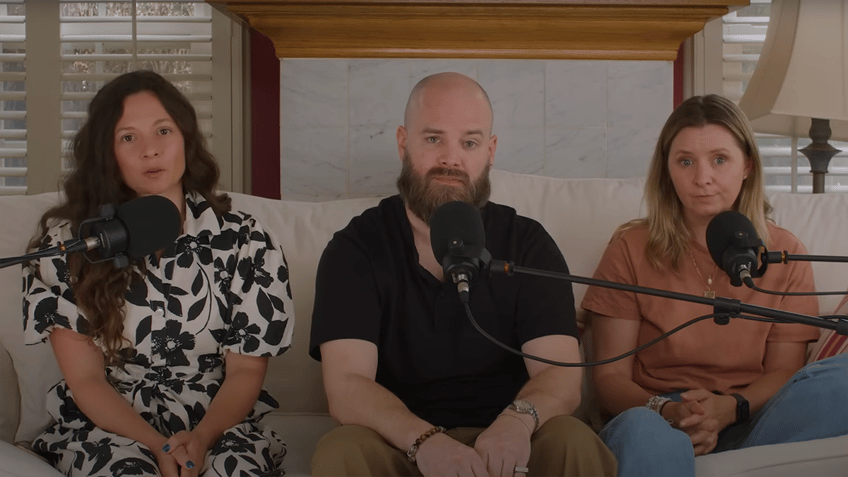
column 542, row 29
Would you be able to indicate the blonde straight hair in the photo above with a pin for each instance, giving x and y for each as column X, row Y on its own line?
column 668, row 236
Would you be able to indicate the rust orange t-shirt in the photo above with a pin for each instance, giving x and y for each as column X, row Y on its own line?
column 705, row 355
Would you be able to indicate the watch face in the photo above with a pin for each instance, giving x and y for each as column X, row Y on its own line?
column 523, row 406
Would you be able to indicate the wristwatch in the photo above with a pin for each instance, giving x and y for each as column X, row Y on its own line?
column 526, row 407
column 743, row 409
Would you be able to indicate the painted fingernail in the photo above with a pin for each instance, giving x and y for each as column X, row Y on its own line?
column 166, row 447
column 189, row 465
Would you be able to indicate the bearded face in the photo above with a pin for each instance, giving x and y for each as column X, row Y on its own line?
column 423, row 195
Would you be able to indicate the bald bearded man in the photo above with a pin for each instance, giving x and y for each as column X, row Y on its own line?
column 417, row 389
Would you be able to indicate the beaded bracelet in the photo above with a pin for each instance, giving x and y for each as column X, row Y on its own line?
column 410, row 454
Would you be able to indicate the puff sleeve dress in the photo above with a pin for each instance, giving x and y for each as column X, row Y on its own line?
column 221, row 287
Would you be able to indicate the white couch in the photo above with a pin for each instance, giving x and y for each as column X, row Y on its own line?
column 580, row 215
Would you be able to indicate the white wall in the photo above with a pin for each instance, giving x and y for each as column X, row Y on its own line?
column 554, row 118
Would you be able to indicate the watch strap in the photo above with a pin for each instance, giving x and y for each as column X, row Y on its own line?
column 526, row 407
column 743, row 408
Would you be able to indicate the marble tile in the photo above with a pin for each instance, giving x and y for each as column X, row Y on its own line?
column 314, row 164
column 516, row 89
column 378, row 92
column 374, row 161
column 420, row 68
column 629, row 151
column 520, row 150
column 313, row 93
column 575, row 153
column 640, row 93
column 575, row 94
column 556, row 118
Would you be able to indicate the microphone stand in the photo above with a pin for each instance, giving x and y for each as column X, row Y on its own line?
column 724, row 308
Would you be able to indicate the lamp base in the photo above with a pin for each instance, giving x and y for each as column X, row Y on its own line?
column 819, row 152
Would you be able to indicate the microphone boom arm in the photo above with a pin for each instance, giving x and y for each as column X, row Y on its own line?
column 7, row 262
column 784, row 257
column 725, row 307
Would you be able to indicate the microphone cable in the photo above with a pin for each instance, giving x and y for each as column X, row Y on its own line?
column 609, row 360
column 749, row 282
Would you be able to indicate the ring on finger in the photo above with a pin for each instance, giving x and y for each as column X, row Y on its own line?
column 520, row 469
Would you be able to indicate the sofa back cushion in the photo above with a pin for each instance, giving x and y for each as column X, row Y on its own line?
column 580, row 214
column 820, row 221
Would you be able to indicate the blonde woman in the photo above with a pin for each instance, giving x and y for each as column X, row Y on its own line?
column 708, row 388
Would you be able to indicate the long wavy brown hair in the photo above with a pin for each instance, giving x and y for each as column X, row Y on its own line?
column 95, row 179
column 668, row 235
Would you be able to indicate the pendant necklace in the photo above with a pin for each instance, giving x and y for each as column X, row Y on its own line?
column 708, row 293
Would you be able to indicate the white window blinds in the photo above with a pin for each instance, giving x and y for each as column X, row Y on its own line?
column 13, row 127
column 189, row 43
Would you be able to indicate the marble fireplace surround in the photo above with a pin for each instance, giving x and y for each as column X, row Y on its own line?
column 579, row 89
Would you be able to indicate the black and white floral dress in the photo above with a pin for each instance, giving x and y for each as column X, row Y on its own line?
column 222, row 287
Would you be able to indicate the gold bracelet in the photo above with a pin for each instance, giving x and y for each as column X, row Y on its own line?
column 410, row 454
column 516, row 417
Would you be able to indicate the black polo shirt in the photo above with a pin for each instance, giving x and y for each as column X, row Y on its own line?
column 370, row 286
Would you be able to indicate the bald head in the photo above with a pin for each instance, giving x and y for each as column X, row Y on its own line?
column 434, row 90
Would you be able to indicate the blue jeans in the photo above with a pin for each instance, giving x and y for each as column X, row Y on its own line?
column 803, row 409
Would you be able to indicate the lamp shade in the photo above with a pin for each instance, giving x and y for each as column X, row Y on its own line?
column 802, row 72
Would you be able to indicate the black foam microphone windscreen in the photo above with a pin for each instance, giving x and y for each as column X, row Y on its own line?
column 142, row 226
column 153, row 223
column 722, row 232
column 455, row 220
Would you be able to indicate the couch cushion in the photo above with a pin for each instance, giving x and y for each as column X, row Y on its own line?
column 820, row 457
column 300, row 432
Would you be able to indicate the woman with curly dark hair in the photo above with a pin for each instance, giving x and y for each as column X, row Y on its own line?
column 163, row 360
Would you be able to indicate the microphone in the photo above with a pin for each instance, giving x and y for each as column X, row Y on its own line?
column 458, row 240
column 734, row 246
column 136, row 228
column 139, row 227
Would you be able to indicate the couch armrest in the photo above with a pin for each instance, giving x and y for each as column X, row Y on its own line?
column 20, row 463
